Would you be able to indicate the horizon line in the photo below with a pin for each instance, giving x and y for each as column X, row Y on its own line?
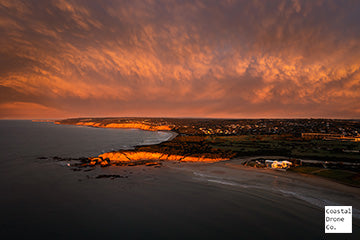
column 218, row 118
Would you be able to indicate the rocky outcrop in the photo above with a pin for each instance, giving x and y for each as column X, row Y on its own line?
column 125, row 125
column 179, row 149
column 138, row 126
column 134, row 156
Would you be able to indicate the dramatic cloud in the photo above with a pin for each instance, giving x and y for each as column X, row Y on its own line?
column 61, row 58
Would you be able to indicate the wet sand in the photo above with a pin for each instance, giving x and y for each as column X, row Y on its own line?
column 220, row 201
column 312, row 189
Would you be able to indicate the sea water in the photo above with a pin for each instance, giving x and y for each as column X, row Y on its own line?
column 45, row 199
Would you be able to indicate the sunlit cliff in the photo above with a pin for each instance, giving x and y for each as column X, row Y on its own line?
column 180, row 149
column 133, row 156
column 124, row 125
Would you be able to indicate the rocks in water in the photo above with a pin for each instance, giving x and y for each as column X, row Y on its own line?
column 153, row 164
column 111, row 176
column 88, row 170
column 94, row 161
column 81, row 159
column 104, row 163
column 89, row 164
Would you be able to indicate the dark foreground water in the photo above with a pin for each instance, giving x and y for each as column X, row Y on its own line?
column 44, row 199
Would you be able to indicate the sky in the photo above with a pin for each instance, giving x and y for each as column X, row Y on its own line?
column 179, row 58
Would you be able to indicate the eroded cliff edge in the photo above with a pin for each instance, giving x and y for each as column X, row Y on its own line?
column 114, row 123
column 180, row 148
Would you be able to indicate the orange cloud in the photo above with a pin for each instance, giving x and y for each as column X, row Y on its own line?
column 172, row 58
column 14, row 110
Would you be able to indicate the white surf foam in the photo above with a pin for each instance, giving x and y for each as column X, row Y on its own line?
column 319, row 202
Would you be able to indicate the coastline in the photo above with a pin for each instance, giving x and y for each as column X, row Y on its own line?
column 297, row 176
column 173, row 134
column 138, row 127
column 313, row 190
column 125, row 125
column 147, row 154
column 115, row 196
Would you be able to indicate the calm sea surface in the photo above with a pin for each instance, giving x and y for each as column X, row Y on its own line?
column 44, row 199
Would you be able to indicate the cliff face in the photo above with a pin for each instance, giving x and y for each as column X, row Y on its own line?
column 124, row 125
column 180, row 149
column 133, row 156
column 138, row 126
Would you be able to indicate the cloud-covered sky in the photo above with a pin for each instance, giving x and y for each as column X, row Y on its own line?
column 233, row 59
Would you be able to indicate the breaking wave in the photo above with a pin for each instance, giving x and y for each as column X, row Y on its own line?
column 318, row 202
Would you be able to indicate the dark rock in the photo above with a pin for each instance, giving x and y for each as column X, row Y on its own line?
column 111, row 176
column 149, row 164
column 88, row 170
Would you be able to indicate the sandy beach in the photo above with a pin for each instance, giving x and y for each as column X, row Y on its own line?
column 316, row 191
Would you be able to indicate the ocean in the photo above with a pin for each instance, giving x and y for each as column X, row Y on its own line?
column 45, row 199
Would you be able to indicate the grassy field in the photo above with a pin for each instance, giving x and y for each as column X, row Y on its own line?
column 328, row 151
column 288, row 146
column 188, row 146
column 339, row 175
column 238, row 146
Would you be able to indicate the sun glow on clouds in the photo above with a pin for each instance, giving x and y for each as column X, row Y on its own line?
column 180, row 58
column 30, row 110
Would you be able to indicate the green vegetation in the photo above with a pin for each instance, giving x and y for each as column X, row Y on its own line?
column 229, row 138
column 188, row 146
column 339, row 175
column 285, row 145
column 306, row 169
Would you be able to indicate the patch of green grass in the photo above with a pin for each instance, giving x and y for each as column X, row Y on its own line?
column 343, row 176
column 305, row 169
column 338, row 175
column 286, row 146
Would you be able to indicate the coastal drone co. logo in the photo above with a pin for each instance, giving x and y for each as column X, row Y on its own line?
column 338, row 219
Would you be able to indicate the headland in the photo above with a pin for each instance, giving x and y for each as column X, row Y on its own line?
column 326, row 148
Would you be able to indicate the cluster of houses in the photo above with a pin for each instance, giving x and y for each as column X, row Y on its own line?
column 273, row 164
column 278, row 164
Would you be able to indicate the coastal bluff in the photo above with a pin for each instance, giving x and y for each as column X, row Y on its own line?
column 135, row 125
column 120, row 157
column 178, row 149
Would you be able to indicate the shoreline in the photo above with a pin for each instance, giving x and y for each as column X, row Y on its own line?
column 309, row 178
column 171, row 158
column 312, row 190
column 123, row 125
column 124, row 201
column 173, row 134
column 137, row 155
column 171, row 137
